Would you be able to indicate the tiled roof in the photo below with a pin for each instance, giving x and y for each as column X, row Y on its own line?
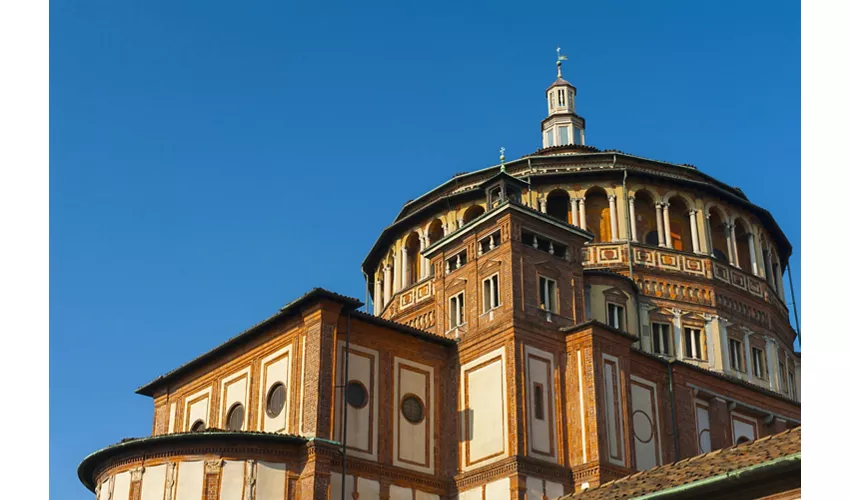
column 771, row 454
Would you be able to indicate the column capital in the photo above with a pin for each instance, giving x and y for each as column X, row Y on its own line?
column 136, row 473
column 644, row 306
column 581, row 200
column 631, row 198
column 693, row 211
column 212, row 466
column 612, row 197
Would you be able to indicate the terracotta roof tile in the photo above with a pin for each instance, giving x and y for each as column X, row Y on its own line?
column 697, row 468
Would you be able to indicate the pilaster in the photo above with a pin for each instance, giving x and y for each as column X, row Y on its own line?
column 320, row 324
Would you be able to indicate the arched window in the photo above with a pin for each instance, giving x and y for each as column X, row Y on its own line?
column 275, row 400
column 742, row 241
column 198, row 426
column 597, row 214
column 472, row 213
column 412, row 246
column 680, row 225
column 435, row 231
column 716, row 220
column 235, row 417
column 558, row 205
column 646, row 221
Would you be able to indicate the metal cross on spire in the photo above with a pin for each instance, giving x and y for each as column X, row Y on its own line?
column 502, row 158
column 560, row 58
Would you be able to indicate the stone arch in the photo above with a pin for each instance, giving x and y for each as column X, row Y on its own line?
column 558, row 205
column 716, row 222
column 742, row 228
column 680, row 223
column 471, row 213
column 646, row 220
column 689, row 202
column 597, row 214
column 413, row 247
column 436, row 230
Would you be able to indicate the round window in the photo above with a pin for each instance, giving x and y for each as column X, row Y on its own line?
column 412, row 409
column 235, row 417
column 198, row 426
column 275, row 400
column 356, row 394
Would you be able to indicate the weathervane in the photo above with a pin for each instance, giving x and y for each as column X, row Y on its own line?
column 560, row 58
column 502, row 158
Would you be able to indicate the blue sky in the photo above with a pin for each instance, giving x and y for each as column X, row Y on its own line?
column 210, row 161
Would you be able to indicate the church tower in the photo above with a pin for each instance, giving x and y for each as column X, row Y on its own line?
column 562, row 127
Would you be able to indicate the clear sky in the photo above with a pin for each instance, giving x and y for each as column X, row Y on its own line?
column 211, row 161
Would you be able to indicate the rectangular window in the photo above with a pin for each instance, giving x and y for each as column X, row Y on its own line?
column 563, row 136
column 783, row 382
column 693, row 343
column 576, row 135
column 616, row 316
column 491, row 293
column 792, row 387
column 736, row 355
column 457, row 312
column 538, row 401
column 550, row 138
column 571, row 98
column 661, row 339
column 758, row 363
column 548, row 294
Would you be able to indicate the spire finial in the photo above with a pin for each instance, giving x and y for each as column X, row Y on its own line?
column 560, row 58
column 502, row 158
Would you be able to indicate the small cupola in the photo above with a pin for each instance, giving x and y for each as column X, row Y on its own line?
column 562, row 126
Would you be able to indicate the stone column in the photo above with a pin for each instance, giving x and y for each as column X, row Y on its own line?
column 612, row 215
column 751, row 240
column 678, row 341
column 543, row 205
column 387, row 295
column 780, row 285
column 667, row 239
column 397, row 267
column 426, row 268
column 708, row 242
column 574, row 211
column 379, row 300
column 735, row 245
column 694, row 232
column 724, row 343
column 632, row 218
column 730, row 238
column 710, row 342
column 659, row 224
column 581, row 214
column 768, row 270
column 748, row 355
column 645, row 334
column 772, row 362
column 405, row 268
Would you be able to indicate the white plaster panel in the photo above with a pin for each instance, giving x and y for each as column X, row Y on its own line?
column 743, row 425
column 536, row 488
column 368, row 489
column 121, row 490
column 234, row 389
column 275, row 368
column 473, row 494
column 399, row 493
column 645, row 425
column 539, row 370
column 271, row 480
column 703, row 427
column 422, row 495
column 172, row 413
column 613, row 404
column 232, row 480
column 498, row 490
column 413, row 444
column 362, row 432
column 336, row 485
column 197, row 407
column 153, row 482
column 103, row 493
column 485, row 415
column 190, row 481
